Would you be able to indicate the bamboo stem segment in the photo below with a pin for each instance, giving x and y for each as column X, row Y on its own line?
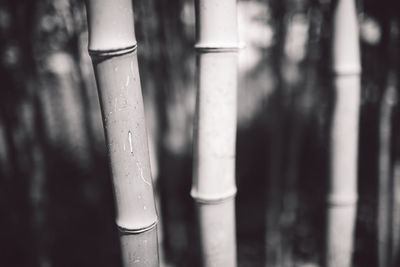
column 342, row 197
column 112, row 46
column 386, row 187
column 214, row 186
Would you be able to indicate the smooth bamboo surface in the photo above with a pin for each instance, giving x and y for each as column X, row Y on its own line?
column 342, row 197
column 215, row 130
column 218, row 237
column 214, row 186
column 216, row 25
column 138, row 249
column 111, row 27
column 112, row 46
column 123, row 115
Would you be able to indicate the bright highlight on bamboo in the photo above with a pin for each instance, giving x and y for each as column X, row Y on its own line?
column 112, row 46
column 342, row 198
column 214, row 186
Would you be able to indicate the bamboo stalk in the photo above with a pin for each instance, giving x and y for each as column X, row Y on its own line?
column 214, row 186
column 112, row 46
column 342, row 197
column 395, row 238
column 388, row 186
column 385, row 188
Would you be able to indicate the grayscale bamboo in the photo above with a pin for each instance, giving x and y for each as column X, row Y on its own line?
column 342, row 192
column 395, row 238
column 214, row 186
column 385, row 188
column 112, row 46
column 388, row 186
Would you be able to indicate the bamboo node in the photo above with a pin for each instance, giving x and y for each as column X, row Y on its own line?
column 341, row 200
column 216, row 47
column 112, row 52
column 127, row 231
column 212, row 199
column 347, row 70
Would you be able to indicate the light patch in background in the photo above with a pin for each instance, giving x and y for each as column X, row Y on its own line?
column 256, row 80
column 370, row 30
column 11, row 55
column 254, row 32
column 296, row 38
column 4, row 153
column 176, row 140
column 63, row 108
column 5, row 19
column 188, row 18
column 59, row 63
column 295, row 47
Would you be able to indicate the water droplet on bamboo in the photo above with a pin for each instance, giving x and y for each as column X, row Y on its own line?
column 130, row 141
column 127, row 80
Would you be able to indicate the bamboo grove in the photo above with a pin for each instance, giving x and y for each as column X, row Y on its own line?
column 112, row 46
column 230, row 133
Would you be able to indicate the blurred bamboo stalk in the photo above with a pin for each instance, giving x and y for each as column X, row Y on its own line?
column 112, row 46
column 395, row 238
column 342, row 196
column 386, row 185
column 214, row 186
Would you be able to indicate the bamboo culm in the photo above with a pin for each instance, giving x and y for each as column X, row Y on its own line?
column 112, row 46
column 386, row 185
column 342, row 197
column 213, row 187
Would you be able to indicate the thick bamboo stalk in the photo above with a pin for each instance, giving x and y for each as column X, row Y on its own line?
column 342, row 197
column 214, row 186
column 112, row 46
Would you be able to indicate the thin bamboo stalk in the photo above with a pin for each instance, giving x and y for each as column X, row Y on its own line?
column 385, row 189
column 395, row 239
column 388, row 187
column 342, row 197
column 112, row 46
column 214, row 186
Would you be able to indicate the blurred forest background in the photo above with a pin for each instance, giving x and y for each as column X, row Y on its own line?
column 56, row 203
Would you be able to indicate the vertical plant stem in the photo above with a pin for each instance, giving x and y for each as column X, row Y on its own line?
column 385, row 188
column 273, row 235
column 112, row 46
column 395, row 238
column 342, row 197
column 214, row 186
column 387, row 221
